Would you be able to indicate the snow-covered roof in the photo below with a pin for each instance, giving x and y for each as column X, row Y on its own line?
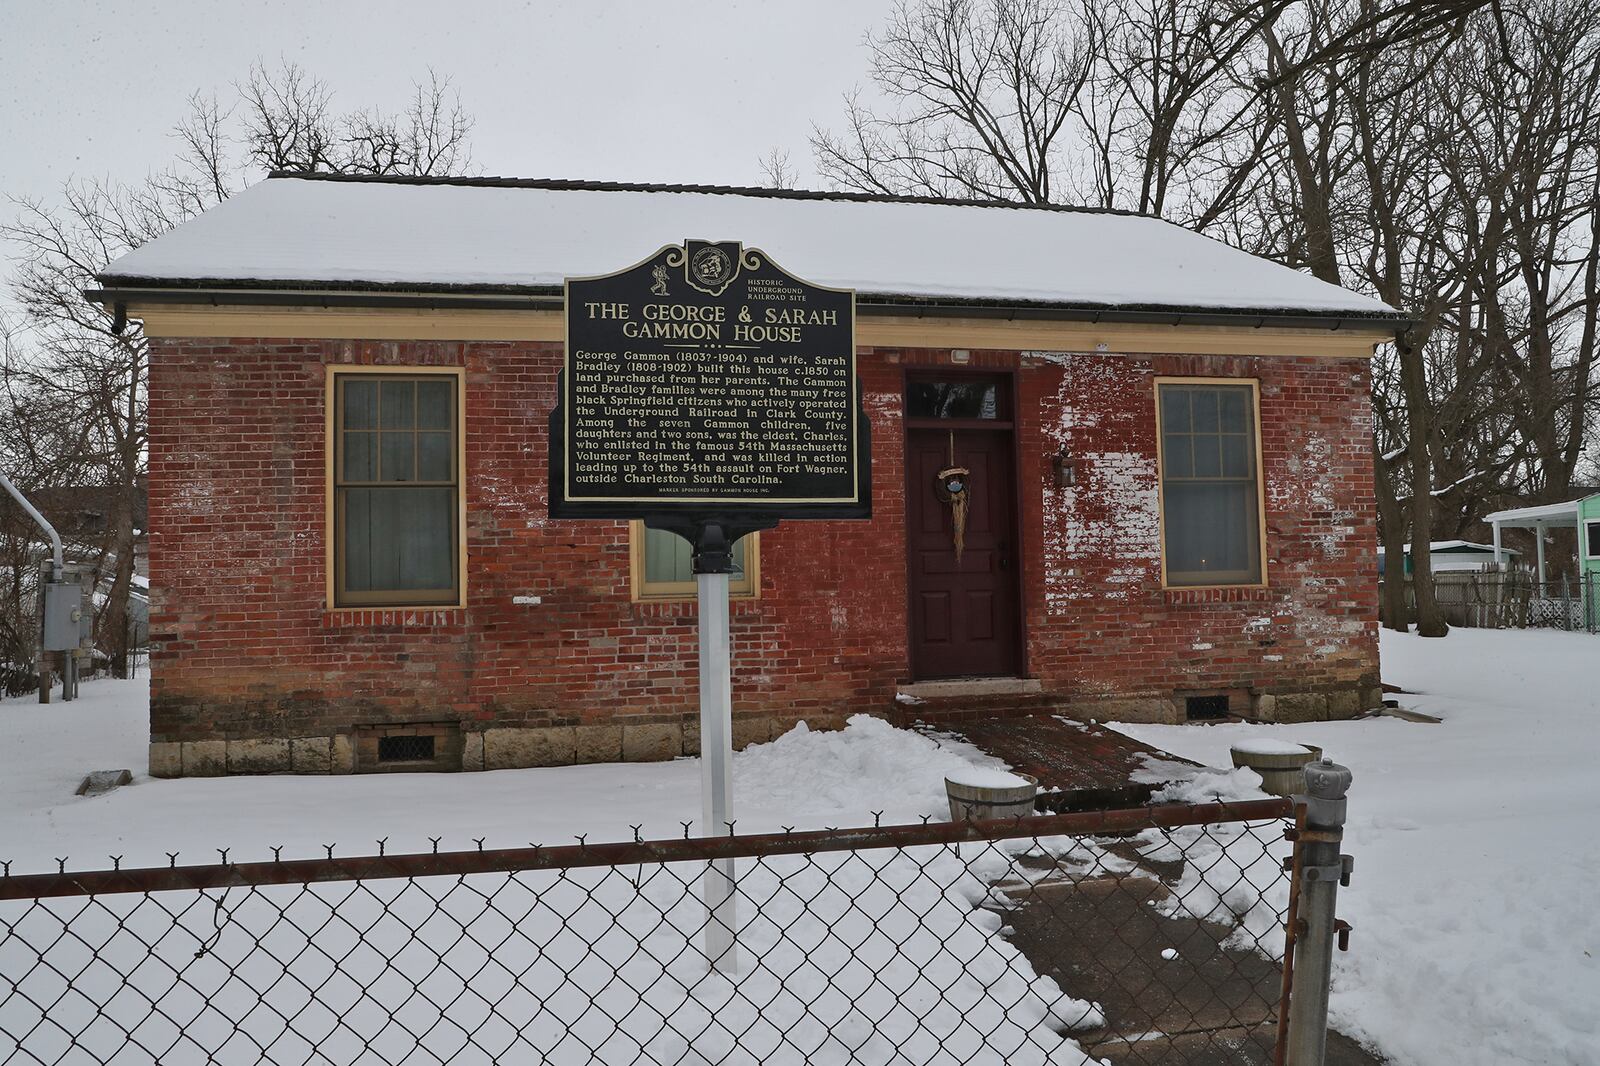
column 500, row 235
column 1457, row 545
column 1564, row 512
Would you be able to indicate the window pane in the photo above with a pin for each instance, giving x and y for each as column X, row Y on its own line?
column 359, row 461
column 1177, row 454
column 398, row 539
column 1175, row 409
column 1594, row 540
column 1207, row 461
column 1235, row 456
column 667, row 557
column 398, row 460
column 1205, row 410
column 433, row 403
column 424, row 536
column 952, row 399
column 1211, row 533
column 1235, row 417
column 360, row 404
column 433, row 456
column 357, row 540
column 396, row 409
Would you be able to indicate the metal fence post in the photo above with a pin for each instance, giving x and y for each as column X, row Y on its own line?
column 1322, row 870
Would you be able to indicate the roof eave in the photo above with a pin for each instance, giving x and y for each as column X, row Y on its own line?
column 124, row 291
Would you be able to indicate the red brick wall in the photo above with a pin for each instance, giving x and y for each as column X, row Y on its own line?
column 246, row 647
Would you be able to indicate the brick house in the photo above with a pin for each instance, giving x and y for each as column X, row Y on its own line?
column 353, row 568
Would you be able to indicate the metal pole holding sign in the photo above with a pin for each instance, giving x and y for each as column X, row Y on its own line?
column 710, row 393
column 716, row 766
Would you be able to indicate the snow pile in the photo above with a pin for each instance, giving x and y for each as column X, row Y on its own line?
column 980, row 777
column 868, row 766
column 1476, row 916
column 1269, row 746
column 1231, row 872
column 806, row 778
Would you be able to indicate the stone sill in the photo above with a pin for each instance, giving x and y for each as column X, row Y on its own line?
column 976, row 686
column 1197, row 597
column 405, row 617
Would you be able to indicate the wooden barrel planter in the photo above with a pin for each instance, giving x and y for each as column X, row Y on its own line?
column 982, row 794
column 1280, row 763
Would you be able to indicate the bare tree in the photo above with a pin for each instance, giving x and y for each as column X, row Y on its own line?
column 776, row 171
column 77, row 372
column 1440, row 154
column 984, row 90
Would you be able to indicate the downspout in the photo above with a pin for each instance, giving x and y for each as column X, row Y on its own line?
column 33, row 512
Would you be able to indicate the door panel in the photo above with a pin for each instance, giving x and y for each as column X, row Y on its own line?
column 963, row 616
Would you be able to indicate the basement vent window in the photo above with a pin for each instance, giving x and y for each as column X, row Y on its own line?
column 1205, row 708
column 405, row 749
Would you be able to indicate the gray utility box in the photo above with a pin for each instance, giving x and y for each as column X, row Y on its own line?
column 63, row 616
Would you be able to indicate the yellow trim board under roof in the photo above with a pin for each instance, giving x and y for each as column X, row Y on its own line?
column 180, row 321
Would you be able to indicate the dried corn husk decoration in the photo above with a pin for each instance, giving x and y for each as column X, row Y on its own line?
column 951, row 485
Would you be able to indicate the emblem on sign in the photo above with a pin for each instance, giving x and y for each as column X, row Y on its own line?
column 711, row 268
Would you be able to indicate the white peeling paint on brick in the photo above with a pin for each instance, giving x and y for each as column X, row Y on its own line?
column 1111, row 514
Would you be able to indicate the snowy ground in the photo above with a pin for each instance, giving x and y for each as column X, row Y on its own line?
column 1475, row 901
column 858, row 952
column 804, row 779
column 1477, row 847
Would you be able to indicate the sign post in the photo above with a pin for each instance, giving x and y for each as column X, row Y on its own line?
column 716, row 765
column 709, row 393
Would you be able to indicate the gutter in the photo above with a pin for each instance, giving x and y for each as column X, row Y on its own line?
column 509, row 299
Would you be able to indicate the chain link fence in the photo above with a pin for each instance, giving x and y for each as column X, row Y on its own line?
column 1143, row 936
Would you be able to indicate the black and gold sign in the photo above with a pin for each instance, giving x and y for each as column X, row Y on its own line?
column 708, row 379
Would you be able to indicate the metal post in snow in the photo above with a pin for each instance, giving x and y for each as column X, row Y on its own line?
column 1322, row 870
column 59, row 563
column 716, row 755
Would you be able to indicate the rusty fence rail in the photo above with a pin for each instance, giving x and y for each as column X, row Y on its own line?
column 1136, row 936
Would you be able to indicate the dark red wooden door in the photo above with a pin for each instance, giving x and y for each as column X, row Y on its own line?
column 963, row 615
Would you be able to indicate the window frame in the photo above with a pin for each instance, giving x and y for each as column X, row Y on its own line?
column 336, row 599
column 747, row 587
column 1590, row 527
column 1254, row 385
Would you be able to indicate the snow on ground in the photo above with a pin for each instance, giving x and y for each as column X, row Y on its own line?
column 860, row 952
column 1475, row 899
column 1477, row 852
column 806, row 779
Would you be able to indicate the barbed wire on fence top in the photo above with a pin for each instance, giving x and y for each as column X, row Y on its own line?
column 1139, row 935
column 379, row 863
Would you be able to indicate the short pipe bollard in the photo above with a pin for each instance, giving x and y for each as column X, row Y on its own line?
column 1322, row 871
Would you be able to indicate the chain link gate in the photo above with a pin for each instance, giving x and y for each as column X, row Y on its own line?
column 1141, row 936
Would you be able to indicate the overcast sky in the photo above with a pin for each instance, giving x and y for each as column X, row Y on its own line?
column 656, row 90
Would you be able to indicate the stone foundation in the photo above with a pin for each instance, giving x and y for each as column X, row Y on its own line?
column 515, row 747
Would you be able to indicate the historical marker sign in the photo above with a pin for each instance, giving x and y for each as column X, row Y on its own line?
column 707, row 380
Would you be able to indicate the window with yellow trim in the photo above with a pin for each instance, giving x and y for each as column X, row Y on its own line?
column 663, row 565
column 1210, row 483
column 396, row 489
